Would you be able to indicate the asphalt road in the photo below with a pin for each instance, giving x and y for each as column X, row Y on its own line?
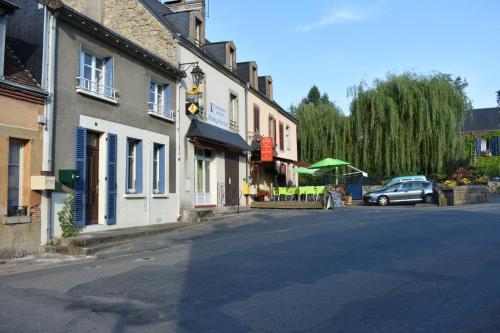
column 390, row 269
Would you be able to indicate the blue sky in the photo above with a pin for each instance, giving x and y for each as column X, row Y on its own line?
column 336, row 44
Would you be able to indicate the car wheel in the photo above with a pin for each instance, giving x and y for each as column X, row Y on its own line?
column 428, row 198
column 383, row 200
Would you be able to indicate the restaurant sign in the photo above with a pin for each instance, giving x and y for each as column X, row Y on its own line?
column 266, row 149
column 217, row 116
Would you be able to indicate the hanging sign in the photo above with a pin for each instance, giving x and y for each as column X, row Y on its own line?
column 192, row 107
column 266, row 149
column 194, row 90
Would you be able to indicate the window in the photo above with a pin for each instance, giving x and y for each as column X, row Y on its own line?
column 255, row 79
column 256, row 119
column 134, row 166
column 198, row 33
column 282, row 141
column 96, row 76
column 272, row 129
column 287, row 138
column 232, row 59
column 233, row 111
column 159, row 101
column 15, row 181
column 158, row 168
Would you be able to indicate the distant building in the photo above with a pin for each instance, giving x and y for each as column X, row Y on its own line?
column 484, row 126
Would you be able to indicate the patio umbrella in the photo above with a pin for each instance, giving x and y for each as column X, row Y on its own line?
column 330, row 163
column 305, row 171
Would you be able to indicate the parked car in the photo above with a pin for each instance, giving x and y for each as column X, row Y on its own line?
column 401, row 179
column 404, row 192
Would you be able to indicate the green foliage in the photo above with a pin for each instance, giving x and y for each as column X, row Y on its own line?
column 489, row 166
column 66, row 218
column 404, row 124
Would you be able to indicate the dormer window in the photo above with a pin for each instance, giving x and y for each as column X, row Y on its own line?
column 232, row 59
column 255, row 77
column 198, row 32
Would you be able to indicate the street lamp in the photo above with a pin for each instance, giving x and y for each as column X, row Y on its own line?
column 197, row 75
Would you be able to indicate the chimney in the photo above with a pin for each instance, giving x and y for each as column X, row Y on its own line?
column 6, row 8
column 178, row 6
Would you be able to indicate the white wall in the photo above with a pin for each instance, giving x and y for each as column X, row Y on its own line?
column 216, row 90
column 131, row 210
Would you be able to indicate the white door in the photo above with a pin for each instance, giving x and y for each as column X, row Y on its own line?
column 203, row 161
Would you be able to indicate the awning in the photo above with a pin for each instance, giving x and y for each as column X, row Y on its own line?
column 221, row 137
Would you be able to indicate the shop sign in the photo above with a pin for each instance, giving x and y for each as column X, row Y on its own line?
column 217, row 116
column 266, row 149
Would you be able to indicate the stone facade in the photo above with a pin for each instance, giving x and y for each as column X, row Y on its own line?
column 130, row 19
column 463, row 195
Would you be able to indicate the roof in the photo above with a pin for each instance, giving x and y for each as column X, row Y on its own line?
column 482, row 120
column 230, row 140
column 8, row 6
column 14, row 71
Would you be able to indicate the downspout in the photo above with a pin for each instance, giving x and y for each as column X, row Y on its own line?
column 48, row 83
column 178, row 149
column 247, row 87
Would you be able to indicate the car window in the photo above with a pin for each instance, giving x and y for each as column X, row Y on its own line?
column 407, row 186
column 417, row 186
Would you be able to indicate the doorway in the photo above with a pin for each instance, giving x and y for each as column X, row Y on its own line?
column 92, row 202
column 232, row 179
column 203, row 162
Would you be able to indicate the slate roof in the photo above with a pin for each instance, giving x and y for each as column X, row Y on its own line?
column 8, row 6
column 482, row 120
column 14, row 71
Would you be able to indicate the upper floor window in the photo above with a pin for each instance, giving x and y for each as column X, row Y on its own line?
column 159, row 101
column 288, row 140
column 272, row 129
column 256, row 119
column 198, row 33
column 233, row 111
column 281, row 133
column 96, row 76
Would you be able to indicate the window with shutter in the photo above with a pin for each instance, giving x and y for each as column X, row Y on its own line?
column 111, row 180
column 256, row 119
column 81, row 184
column 282, row 141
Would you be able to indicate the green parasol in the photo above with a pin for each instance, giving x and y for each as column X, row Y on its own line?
column 305, row 171
column 328, row 163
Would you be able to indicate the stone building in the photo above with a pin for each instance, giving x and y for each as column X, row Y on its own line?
column 21, row 114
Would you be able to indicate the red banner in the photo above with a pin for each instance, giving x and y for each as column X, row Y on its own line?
column 266, row 149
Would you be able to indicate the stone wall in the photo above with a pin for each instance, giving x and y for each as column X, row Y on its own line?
column 463, row 195
column 130, row 19
column 494, row 187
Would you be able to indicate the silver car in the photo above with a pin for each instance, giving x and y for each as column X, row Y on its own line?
column 407, row 192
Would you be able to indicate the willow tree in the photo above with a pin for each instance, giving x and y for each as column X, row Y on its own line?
column 322, row 128
column 407, row 123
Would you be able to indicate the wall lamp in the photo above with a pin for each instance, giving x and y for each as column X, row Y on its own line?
column 197, row 74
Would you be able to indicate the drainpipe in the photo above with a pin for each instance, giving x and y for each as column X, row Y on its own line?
column 48, row 83
column 178, row 149
column 247, row 87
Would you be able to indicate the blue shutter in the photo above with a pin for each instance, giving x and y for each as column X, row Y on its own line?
column 81, row 185
column 162, row 169
column 108, row 76
column 111, row 200
column 494, row 145
column 138, row 161
column 478, row 146
column 167, row 94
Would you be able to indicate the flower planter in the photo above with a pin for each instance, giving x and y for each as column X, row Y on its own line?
column 463, row 195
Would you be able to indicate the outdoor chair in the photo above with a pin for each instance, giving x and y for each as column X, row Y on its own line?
column 310, row 192
column 281, row 192
column 291, row 192
column 302, row 192
column 276, row 195
column 320, row 191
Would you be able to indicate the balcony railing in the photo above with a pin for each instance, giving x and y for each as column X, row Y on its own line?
column 160, row 111
column 17, row 211
column 96, row 89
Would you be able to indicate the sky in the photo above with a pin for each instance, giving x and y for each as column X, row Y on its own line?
column 336, row 44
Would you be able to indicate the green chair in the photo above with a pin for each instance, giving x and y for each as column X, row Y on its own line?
column 291, row 192
column 276, row 194
column 320, row 191
column 302, row 192
column 281, row 192
column 310, row 192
